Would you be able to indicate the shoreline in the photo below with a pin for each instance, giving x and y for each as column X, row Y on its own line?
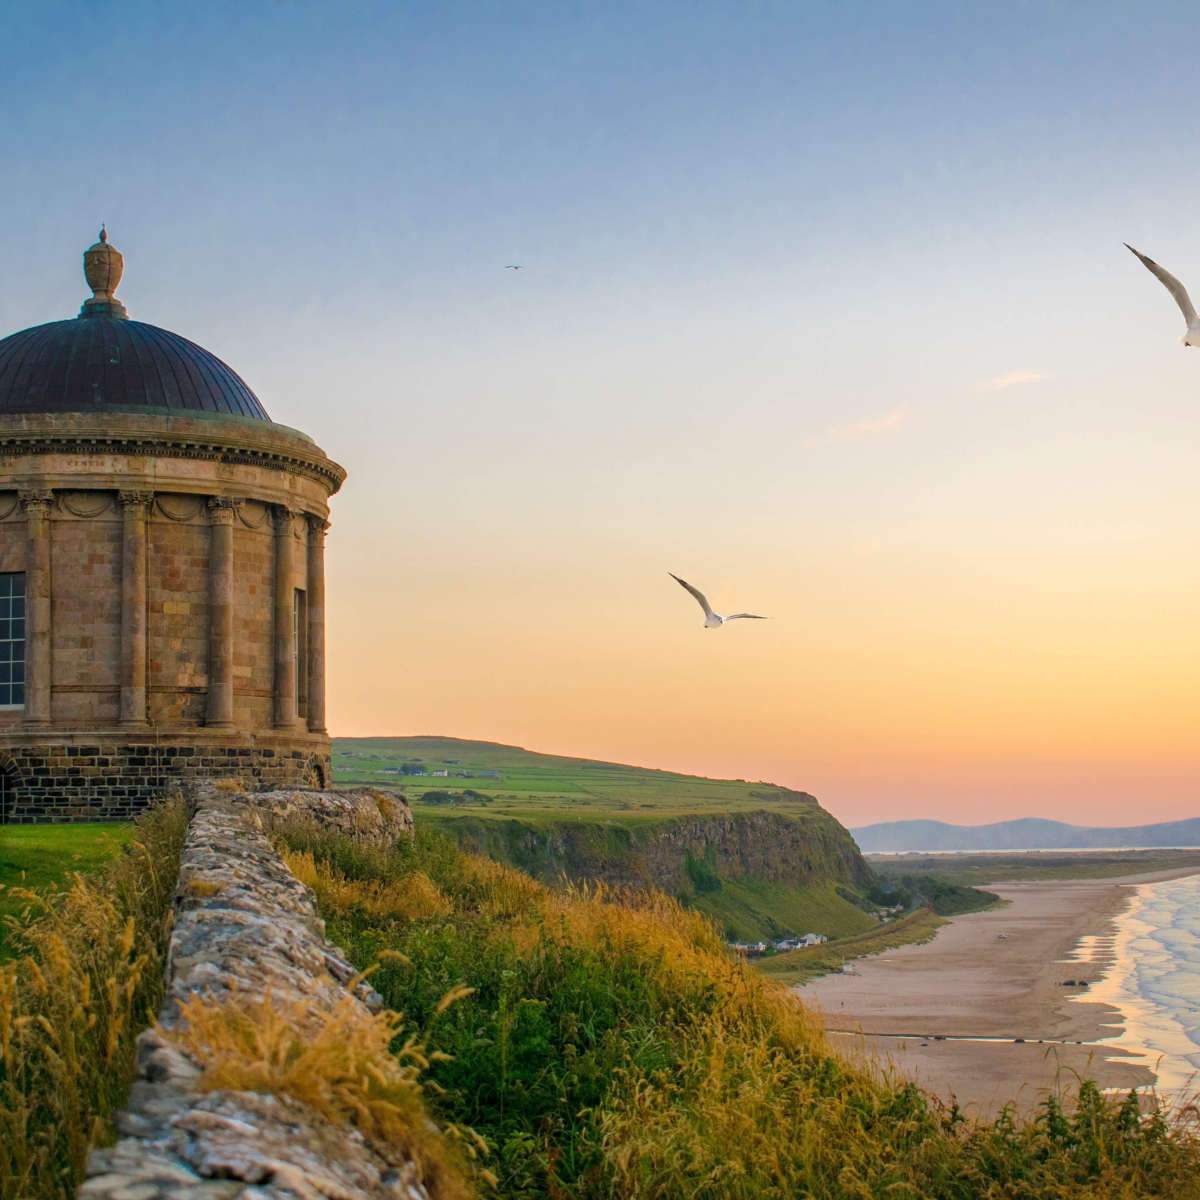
column 998, row 976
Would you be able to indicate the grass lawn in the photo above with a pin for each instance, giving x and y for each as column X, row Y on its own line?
column 520, row 783
column 39, row 857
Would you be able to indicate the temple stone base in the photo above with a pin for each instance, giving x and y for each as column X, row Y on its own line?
column 111, row 776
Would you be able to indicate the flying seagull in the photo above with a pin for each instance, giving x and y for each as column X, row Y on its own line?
column 1178, row 291
column 512, row 266
column 713, row 620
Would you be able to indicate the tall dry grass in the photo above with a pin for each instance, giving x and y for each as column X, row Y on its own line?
column 86, row 978
column 350, row 1066
column 612, row 1047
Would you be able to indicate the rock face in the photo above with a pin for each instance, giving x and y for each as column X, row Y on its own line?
column 796, row 848
column 244, row 925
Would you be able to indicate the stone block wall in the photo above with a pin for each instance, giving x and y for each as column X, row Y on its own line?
column 85, row 553
column 111, row 779
column 85, row 569
column 177, row 595
column 253, row 619
column 245, row 927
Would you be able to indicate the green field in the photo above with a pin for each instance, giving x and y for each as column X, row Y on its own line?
column 40, row 857
column 532, row 786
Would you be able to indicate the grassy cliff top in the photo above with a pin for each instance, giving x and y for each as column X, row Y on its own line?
column 530, row 785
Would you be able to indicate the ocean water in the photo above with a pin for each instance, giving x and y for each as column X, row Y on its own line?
column 1155, row 981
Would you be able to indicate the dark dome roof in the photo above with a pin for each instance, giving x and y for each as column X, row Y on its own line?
column 95, row 362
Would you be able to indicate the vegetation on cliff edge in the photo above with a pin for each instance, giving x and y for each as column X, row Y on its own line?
column 762, row 860
column 611, row 1046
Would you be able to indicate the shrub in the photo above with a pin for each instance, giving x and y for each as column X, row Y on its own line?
column 86, row 979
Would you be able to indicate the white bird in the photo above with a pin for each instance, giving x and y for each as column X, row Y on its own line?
column 713, row 620
column 1178, row 291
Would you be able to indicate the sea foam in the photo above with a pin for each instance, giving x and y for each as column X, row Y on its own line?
column 1155, row 982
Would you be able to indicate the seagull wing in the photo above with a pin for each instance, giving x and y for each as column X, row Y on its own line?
column 1170, row 283
column 745, row 617
column 701, row 599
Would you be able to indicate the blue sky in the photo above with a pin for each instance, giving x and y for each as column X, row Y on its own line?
column 826, row 302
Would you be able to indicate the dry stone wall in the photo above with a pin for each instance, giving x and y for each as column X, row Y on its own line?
column 244, row 925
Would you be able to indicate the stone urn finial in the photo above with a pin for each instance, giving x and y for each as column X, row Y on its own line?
column 103, row 265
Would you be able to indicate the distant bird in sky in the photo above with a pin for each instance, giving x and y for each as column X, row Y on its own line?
column 713, row 620
column 1192, row 337
column 512, row 266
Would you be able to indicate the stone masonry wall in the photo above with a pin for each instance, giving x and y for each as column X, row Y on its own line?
column 253, row 623
column 245, row 925
column 177, row 592
column 114, row 780
column 86, row 562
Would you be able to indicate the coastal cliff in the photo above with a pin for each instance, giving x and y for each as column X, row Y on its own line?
column 675, row 854
column 759, row 873
column 761, row 859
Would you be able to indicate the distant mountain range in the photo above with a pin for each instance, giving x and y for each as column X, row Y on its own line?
column 1026, row 833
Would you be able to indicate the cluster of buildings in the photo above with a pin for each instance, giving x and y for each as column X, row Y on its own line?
column 804, row 940
column 415, row 769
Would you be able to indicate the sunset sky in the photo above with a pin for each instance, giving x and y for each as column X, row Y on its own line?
column 823, row 307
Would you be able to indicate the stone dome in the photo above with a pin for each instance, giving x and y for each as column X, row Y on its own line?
column 101, row 361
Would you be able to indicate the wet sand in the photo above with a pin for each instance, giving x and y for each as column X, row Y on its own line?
column 995, row 974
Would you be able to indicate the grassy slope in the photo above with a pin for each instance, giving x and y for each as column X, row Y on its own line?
column 547, row 786
column 749, row 909
column 39, row 857
column 615, row 1049
column 610, row 805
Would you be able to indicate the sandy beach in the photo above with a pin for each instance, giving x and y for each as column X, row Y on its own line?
column 997, row 974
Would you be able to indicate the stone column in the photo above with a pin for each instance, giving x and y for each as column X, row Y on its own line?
column 37, row 606
column 219, row 713
column 135, row 508
column 285, row 630
column 316, row 623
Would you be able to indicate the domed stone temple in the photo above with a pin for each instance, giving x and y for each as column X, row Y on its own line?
column 162, row 570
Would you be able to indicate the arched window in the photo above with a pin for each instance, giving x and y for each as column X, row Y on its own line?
column 316, row 772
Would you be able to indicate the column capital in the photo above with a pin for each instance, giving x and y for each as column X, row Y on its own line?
column 222, row 509
column 318, row 527
column 283, row 515
column 135, row 501
column 36, row 501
